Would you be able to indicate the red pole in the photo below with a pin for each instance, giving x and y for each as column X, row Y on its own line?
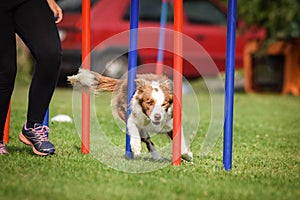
column 6, row 127
column 161, row 43
column 176, row 160
column 85, row 141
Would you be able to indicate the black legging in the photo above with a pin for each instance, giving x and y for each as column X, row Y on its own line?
column 33, row 21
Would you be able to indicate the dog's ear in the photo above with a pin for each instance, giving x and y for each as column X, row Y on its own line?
column 171, row 98
column 139, row 83
column 169, row 84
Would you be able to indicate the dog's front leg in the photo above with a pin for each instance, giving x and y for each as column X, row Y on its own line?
column 150, row 146
column 135, row 139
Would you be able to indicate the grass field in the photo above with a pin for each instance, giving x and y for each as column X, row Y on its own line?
column 266, row 157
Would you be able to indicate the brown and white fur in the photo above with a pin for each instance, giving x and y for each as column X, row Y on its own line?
column 151, row 106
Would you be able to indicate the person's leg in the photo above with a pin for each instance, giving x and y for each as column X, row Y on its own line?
column 7, row 63
column 36, row 26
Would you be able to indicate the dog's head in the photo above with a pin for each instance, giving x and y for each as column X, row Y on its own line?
column 155, row 98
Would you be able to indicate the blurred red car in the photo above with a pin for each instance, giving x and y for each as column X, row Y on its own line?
column 204, row 21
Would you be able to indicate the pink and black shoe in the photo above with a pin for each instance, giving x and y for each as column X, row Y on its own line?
column 37, row 138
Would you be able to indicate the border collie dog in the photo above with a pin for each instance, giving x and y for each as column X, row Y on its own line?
column 151, row 106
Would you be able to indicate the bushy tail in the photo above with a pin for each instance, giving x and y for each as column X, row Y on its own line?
column 93, row 81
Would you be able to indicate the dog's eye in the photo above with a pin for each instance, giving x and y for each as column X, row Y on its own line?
column 165, row 104
column 149, row 102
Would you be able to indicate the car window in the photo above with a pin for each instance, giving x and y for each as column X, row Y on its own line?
column 150, row 10
column 203, row 12
column 72, row 5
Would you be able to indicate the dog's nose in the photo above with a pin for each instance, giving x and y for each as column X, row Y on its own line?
column 157, row 117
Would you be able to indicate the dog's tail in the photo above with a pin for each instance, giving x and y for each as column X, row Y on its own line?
column 93, row 81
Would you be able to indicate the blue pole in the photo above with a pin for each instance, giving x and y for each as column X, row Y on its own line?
column 161, row 43
column 229, row 85
column 46, row 120
column 132, row 62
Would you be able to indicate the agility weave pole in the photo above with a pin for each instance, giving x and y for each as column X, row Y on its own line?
column 177, row 76
column 6, row 126
column 46, row 120
column 161, row 42
column 229, row 85
column 132, row 62
column 85, row 140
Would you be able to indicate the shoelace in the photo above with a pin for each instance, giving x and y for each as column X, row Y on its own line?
column 2, row 149
column 42, row 131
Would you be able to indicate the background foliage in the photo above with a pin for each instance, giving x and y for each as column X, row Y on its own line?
column 281, row 18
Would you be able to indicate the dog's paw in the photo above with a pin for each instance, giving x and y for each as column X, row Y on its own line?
column 187, row 156
column 136, row 146
column 155, row 155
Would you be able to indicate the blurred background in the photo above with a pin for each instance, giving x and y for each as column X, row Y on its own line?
column 267, row 42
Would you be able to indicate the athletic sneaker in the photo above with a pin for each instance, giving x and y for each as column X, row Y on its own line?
column 2, row 149
column 37, row 138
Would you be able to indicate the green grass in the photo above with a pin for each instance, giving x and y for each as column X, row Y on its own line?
column 266, row 159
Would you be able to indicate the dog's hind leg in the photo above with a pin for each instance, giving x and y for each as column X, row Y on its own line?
column 150, row 146
column 186, row 154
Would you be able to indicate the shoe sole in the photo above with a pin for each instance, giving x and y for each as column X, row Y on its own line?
column 27, row 142
column 3, row 154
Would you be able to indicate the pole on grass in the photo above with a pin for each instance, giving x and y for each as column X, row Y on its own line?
column 229, row 85
column 46, row 120
column 161, row 43
column 85, row 140
column 6, row 126
column 177, row 115
column 132, row 62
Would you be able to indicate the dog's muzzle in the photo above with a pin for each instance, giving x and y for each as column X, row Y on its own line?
column 157, row 115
